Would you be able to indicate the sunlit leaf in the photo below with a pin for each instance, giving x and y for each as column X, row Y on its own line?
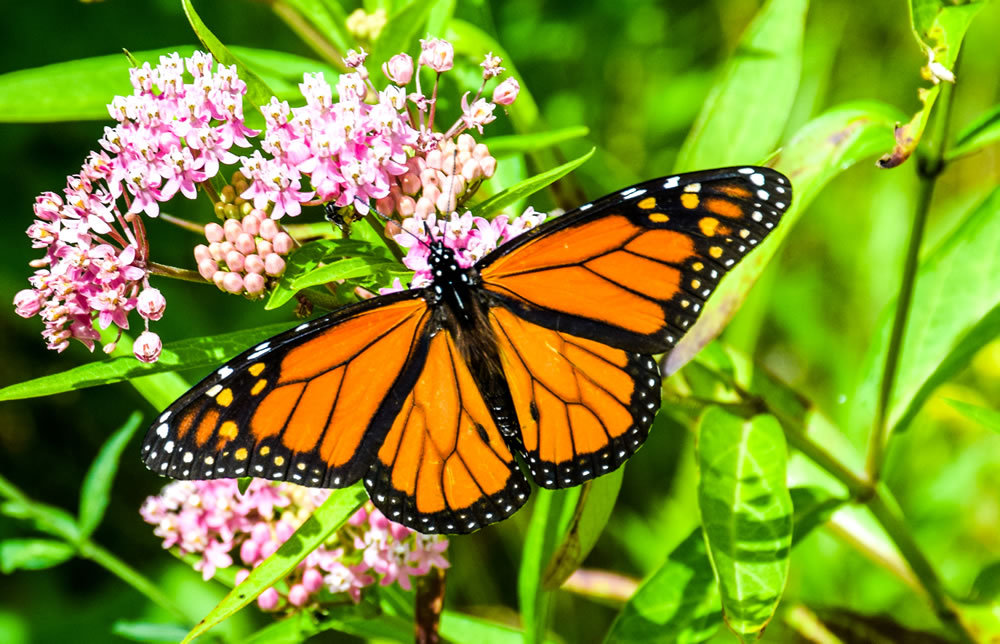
column 677, row 603
column 983, row 131
column 529, row 186
column 400, row 34
column 746, row 513
column 503, row 146
column 96, row 489
column 813, row 507
column 32, row 554
column 334, row 512
column 743, row 117
column 329, row 19
column 989, row 418
column 149, row 632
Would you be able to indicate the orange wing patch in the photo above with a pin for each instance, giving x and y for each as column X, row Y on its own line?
column 309, row 406
column 444, row 465
column 583, row 407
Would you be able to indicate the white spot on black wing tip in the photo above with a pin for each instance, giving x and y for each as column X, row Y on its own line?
column 747, row 170
column 162, row 430
column 763, row 194
column 225, row 372
column 628, row 191
column 757, row 179
column 302, row 327
column 214, row 390
column 165, row 415
column 635, row 194
column 672, row 182
column 586, row 206
column 169, row 447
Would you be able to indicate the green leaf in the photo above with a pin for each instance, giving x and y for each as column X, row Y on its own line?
column 529, row 186
column 955, row 312
column 281, row 71
column 744, row 115
column 986, row 587
column 679, row 602
column 989, row 418
column 505, row 146
column 96, row 489
column 976, row 135
column 149, row 631
column 813, row 507
column 457, row 627
column 329, row 19
column 939, row 27
column 47, row 518
column 400, row 33
column 822, row 149
column 441, row 14
column 258, row 93
column 746, row 514
column 593, row 509
column 311, row 534
column 33, row 554
column 183, row 354
column 550, row 519
column 305, row 260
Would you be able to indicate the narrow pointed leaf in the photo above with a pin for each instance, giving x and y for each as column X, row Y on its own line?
column 746, row 514
column 529, row 186
column 989, row 418
column 96, row 489
column 504, row 146
column 33, row 554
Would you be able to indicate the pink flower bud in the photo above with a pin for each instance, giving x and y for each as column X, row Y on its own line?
column 215, row 251
column 232, row 229
column 254, row 283
column 410, row 183
column 225, row 247
column 424, row 208
column 218, row 277
column 207, row 268
column 147, row 347
column 268, row 229
column 506, row 92
column 407, row 206
column 274, row 265
column 386, row 205
column 214, row 232
column 261, row 533
column 234, row 260
column 233, row 283
column 251, row 224
column 472, row 170
column 312, row 580
column 253, row 264
column 268, row 548
column 109, row 347
column 151, row 304
column 480, row 151
column 431, row 193
column 201, row 252
column 268, row 600
column 416, row 164
column 398, row 531
column 434, row 159
column 298, row 595
column 241, row 575
column 399, row 69
column 437, row 54
column 248, row 552
column 359, row 517
column 282, row 243
column 283, row 530
column 27, row 302
column 245, row 243
column 466, row 142
column 446, row 203
column 264, row 247
column 489, row 166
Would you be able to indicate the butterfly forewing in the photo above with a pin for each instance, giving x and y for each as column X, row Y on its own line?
column 633, row 270
column 309, row 406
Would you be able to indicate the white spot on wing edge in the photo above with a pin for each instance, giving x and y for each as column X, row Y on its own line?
column 302, row 327
column 672, row 182
column 763, row 194
column 162, row 430
column 263, row 346
column 747, row 170
column 757, row 179
column 165, row 415
column 586, row 206
column 635, row 194
column 214, row 390
column 225, row 372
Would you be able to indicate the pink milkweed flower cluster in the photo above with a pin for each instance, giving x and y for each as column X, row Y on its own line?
column 470, row 237
column 212, row 519
column 242, row 254
column 171, row 135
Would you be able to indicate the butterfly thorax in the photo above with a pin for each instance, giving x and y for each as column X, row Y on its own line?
column 451, row 285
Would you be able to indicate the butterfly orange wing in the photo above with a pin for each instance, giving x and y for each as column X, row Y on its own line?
column 444, row 465
column 310, row 406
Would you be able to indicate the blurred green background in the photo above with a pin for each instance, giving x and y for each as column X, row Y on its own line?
column 636, row 74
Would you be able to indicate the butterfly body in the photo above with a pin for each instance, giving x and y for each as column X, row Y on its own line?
column 541, row 353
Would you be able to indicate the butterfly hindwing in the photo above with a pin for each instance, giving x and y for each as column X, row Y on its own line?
column 444, row 465
column 309, row 406
column 633, row 269
column 584, row 407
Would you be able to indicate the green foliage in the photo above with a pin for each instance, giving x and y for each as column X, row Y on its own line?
column 610, row 95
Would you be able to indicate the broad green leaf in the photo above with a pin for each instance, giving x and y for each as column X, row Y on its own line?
column 504, row 146
column 49, row 519
column 334, row 512
column 400, row 33
column 593, row 509
column 341, row 270
column 329, row 19
column 33, row 554
column 96, row 489
column 986, row 587
column 744, row 115
column 976, row 135
column 677, row 603
column 989, row 418
column 550, row 519
column 954, row 312
column 813, row 507
column 183, row 354
column 939, row 27
column 819, row 151
column 458, row 627
column 149, row 632
column 258, row 93
column 746, row 514
column 529, row 186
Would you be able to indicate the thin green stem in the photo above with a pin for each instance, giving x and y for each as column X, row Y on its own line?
column 930, row 162
column 310, row 35
column 176, row 273
column 183, row 223
column 90, row 550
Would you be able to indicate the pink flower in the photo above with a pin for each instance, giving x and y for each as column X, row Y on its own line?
column 268, row 600
column 147, row 347
column 355, row 59
column 27, row 302
column 215, row 556
column 506, row 92
column 399, row 69
column 478, row 114
column 437, row 54
column 491, row 66
column 151, row 304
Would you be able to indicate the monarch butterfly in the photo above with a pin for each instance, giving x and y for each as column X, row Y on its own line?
column 542, row 351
